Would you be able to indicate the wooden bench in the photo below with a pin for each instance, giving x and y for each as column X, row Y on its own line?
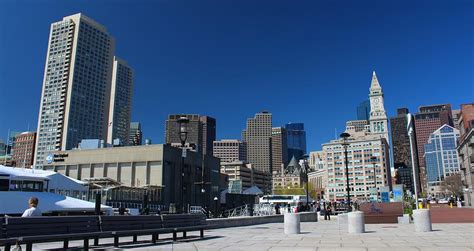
column 377, row 213
column 65, row 228
column 47, row 229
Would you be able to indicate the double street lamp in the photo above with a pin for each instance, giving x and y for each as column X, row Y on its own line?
column 345, row 144
column 373, row 159
column 183, row 136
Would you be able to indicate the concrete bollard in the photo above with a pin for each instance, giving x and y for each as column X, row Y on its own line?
column 356, row 222
column 292, row 223
column 422, row 219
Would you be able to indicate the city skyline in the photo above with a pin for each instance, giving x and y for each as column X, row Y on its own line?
column 315, row 82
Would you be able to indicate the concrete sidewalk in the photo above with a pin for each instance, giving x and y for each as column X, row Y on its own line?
column 324, row 235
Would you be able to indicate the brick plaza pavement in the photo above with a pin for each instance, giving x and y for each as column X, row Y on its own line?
column 324, row 235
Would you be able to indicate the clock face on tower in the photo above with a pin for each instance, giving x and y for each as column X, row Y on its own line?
column 376, row 100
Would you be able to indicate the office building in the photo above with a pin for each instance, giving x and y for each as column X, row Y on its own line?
column 357, row 125
column 242, row 176
column 428, row 120
column 120, row 103
column 157, row 166
column 363, row 110
column 316, row 160
column 24, row 149
column 319, row 180
column 136, row 134
column 258, row 136
column 208, row 134
column 201, row 132
column 361, row 167
column 296, row 140
column 401, row 151
column 230, row 150
column 279, row 148
column 378, row 118
column 441, row 156
column 466, row 150
column 77, row 80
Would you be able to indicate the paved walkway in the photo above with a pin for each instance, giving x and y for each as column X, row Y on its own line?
column 324, row 235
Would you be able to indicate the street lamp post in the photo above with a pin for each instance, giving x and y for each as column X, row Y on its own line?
column 305, row 163
column 183, row 135
column 374, row 160
column 217, row 210
column 345, row 144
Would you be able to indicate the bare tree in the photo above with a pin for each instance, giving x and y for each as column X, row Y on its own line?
column 452, row 184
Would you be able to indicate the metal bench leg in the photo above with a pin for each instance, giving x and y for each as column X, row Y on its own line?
column 153, row 238
column 184, row 234
column 135, row 238
column 86, row 244
column 116, row 241
column 66, row 244
column 7, row 247
column 174, row 236
column 29, row 246
column 96, row 241
column 202, row 233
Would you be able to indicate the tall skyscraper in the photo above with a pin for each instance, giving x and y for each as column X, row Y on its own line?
column 279, row 148
column 363, row 110
column 441, row 156
column 258, row 138
column 230, row 150
column 75, row 97
column 201, row 132
column 401, row 150
column 208, row 134
column 24, row 149
column 428, row 120
column 120, row 102
column 296, row 140
column 136, row 134
column 378, row 118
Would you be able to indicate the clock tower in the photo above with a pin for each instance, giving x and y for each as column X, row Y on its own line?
column 378, row 117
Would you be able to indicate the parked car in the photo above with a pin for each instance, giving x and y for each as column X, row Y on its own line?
column 443, row 201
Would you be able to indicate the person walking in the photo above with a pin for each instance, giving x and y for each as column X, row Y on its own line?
column 33, row 208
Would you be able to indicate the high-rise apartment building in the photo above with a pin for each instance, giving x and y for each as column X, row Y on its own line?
column 296, row 140
column 230, row 150
column 279, row 148
column 401, row 150
column 75, row 97
column 201, row 132
column 441, row 156
column 428, row 120
column 24, row 149
column 136, row 134
column 378, row 118
column 258, row 136
column 361, row 168
column 363, row 110
column 466, row 150
column 120, row 102
column 208, row 134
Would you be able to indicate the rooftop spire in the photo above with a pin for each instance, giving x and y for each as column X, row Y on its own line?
column 375, row 82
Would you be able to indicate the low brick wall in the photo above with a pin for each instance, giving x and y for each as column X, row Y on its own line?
column 256, row 220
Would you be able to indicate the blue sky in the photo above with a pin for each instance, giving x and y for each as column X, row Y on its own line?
column 304, row 61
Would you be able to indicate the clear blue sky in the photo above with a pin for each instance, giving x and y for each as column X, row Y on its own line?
column 304, row 61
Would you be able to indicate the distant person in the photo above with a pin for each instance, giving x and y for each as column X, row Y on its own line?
column 459, row 203
column 121, row 209
column 33, row 210
column 288, row 207
column 277, row 208
column 327, row 213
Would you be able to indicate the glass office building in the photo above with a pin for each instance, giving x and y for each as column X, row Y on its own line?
column 296, row 140
column 441, row 157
